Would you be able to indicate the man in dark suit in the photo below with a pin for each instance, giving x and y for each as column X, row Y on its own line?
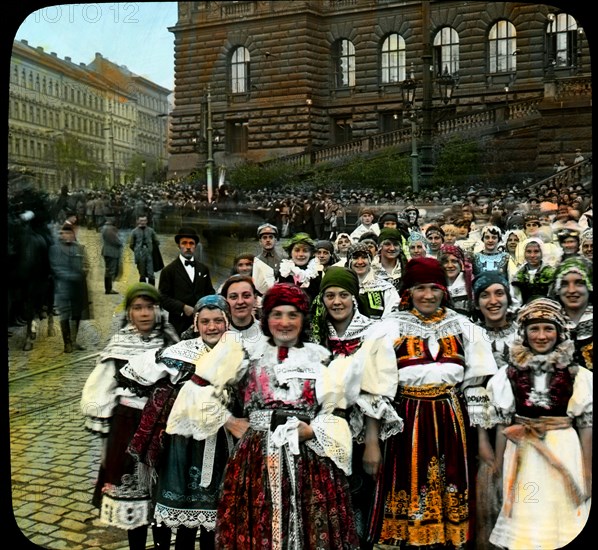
column 184, row 281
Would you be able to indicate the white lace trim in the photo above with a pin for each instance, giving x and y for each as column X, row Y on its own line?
column 125, row 514
column 177, row 517
column 378, row 407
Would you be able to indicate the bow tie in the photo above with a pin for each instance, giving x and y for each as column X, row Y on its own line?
column 189, row 262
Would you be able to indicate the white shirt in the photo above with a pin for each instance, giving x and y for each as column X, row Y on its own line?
column 190, row 269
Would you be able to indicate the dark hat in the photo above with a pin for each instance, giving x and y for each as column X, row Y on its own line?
column 188, row 232
column 389, row 234
column 284, row 294
column 341, row 277
column 489, row 278
column 434, row 229
column 327, row 245
column 299, row 238
column 141, row 289
column 359, row 248
column 423, row 271
column 367, row 210
column 368, row 236
column 388, row 217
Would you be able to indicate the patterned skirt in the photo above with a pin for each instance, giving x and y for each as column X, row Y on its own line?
column 261, row 494
column 123, row 487
column 426, row 495
column 189, row 480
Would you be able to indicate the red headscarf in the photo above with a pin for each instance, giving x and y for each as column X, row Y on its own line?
column 421, row 271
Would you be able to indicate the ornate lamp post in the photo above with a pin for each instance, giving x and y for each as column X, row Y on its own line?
column 408, row 87
column 446, row 85
column 143, row 168
column 210, row 160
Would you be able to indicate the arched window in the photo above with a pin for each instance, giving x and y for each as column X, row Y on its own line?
column 561, row 35
column 344, row 63
column 239, row 72
column 446, row 51
column 392, row 59
column 502, row 43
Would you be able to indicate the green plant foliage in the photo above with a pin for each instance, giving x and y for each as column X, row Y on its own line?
column 75, row 159
column 388, row 171
column 457, row 163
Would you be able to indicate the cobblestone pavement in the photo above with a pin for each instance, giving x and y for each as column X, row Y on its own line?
column 53, row 460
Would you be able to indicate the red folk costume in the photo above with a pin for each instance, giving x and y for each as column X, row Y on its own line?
column 425, row 496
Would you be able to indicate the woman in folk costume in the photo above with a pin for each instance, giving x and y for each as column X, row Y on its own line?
column 379, row 297
column 425, row 496
column 544, row 441
column 188, row 472
column 495, row 313
column 112, row 407
column 301, row 268
column 459, row 274
column 489, row 254
column 535, row 277
column 339, row 325
column 574, row 289
column 285, row 484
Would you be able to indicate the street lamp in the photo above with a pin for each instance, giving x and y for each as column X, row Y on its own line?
column 446, row 85
column 210, row 161
column 408, row 87
column 143, row 167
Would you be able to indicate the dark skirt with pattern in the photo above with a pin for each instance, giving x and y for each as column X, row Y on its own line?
column 122, row 490
column 245, row 511
column 181, row 499
column 426, row 495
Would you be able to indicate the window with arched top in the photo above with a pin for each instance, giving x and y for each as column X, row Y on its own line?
column 562, row 34
column 502, row 43
column 344, row 63
column 392, row 59
column 239, row 71
column 446, row 51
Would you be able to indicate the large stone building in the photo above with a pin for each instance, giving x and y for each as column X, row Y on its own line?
column 86, row 126
column 304, row 78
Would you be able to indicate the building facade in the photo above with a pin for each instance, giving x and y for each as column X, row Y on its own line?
column 289, row 77
column 86, row 126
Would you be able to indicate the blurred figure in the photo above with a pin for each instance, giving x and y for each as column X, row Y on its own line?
column 70, row 266
column 587, row 244
column 112, row 246
column 142, row 241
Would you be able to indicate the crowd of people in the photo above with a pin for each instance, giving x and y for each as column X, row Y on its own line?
column 408, row 378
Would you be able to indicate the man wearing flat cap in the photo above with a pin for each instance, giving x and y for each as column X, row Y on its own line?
column 184, row 281
column 266, row 265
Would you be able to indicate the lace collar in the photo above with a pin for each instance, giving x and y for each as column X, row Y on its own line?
column 438, row 315
column 523, row 358
column 303, row 276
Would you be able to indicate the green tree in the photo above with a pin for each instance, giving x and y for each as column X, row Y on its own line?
column 75, row 159
column 457, row 163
